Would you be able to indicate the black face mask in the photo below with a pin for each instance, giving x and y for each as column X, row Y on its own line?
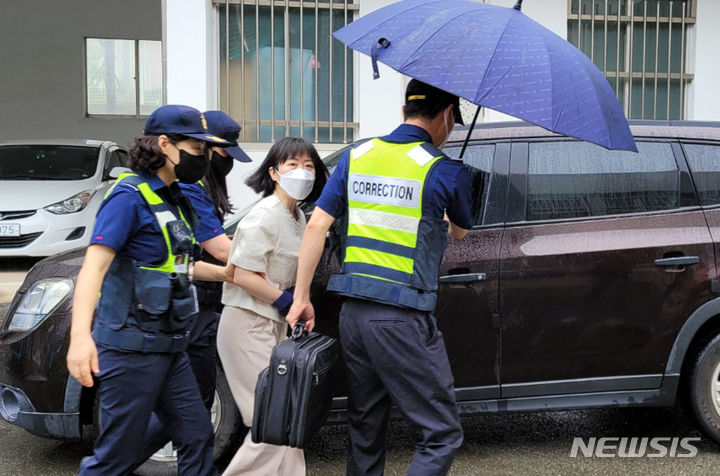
column 191, row 168
column 221, row 166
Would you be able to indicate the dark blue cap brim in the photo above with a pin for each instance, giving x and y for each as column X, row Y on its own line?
column 209, row 138
column 238, row 154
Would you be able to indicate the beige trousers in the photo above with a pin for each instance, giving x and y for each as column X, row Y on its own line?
column 244, row 343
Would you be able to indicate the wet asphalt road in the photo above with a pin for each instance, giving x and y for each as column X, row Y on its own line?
column 528, row 443
column 509, row 444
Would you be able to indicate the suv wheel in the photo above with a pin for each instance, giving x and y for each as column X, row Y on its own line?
column 704, row 389
column 226, row 423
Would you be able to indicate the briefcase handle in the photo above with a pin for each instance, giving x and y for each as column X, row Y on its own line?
column 298, row 330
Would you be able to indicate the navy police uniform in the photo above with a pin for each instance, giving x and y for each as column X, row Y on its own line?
column 391, row 194
column 203, row 333
column 142, row 329
column 202, row 347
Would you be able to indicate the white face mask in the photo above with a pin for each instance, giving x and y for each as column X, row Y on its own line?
column 298, row 183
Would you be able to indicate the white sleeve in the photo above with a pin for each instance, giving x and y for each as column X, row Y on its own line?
column 256, row 241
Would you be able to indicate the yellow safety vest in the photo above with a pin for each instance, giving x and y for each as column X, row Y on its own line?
column 391, row 251
column 162, row 213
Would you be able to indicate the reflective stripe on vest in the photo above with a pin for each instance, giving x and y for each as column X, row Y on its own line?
column 385, row 199
column 164, row 215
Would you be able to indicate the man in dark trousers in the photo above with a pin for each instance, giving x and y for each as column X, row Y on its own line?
column 399, row 196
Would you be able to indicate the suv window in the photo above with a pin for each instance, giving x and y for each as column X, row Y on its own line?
column 579, row 179
column 704, row 162
column 479, row 159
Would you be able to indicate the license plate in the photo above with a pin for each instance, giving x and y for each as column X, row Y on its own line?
column 8, row 229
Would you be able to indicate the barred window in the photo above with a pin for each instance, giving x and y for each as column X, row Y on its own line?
column 641, row 46
column 281, row 71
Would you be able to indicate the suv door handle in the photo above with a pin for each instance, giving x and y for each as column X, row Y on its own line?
column 677, row 261
column 463, row 278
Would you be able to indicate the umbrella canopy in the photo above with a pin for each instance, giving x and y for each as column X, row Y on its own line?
column 498, row 58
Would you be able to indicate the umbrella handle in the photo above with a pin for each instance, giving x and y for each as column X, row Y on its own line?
column 374, row 54
column 472, row 126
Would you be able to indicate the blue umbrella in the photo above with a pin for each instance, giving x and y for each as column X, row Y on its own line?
column 498, row 58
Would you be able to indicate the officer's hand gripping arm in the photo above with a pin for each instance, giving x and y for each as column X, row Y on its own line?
column 203, row 271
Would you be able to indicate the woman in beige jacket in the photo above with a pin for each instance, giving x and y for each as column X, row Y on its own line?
column 264, row 252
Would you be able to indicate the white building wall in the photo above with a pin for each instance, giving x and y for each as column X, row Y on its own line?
column 190, row 27
column 190, row 41
column 190, row 44
column 552, row 14
column 191, row 63
column 380, row 101
column 703, row 96
column 191, row 66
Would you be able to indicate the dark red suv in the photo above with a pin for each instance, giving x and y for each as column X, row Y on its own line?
column 590, row 279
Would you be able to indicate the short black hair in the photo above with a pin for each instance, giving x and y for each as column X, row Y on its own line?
column 145, row 154
column 426, row 101
column 284, row 149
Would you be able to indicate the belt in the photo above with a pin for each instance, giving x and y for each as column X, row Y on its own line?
column 126, row 339
column 373, row 289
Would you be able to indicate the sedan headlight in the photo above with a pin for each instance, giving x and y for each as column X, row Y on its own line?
column 39, row 302
column 73, row 204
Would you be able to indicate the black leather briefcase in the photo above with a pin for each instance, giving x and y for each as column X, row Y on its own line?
column 293, row 395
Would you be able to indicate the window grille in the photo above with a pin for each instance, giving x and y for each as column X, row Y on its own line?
column 641, row 47
column 281, row 71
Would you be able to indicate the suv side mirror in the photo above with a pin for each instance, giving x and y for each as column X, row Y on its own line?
column 116, row 172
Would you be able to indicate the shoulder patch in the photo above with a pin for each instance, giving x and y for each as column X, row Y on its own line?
column 362, row 149
column 431, row 149
column 129, row 185
column 420, row 155
column 121, row 188
column 132, row 180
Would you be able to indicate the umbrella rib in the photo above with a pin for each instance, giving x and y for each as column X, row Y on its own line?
column 492, row 88
column 556, row 121
column 374, row 28
column 437, row 30
column 492, row 58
